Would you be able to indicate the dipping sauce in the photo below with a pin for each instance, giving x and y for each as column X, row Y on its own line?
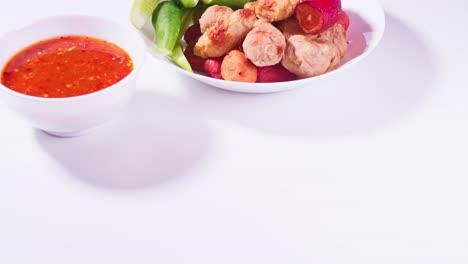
column 66, row 66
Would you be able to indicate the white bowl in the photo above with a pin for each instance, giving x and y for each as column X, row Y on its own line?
column 71, row 116
column 367, row 23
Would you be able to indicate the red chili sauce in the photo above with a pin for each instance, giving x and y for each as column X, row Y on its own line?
column 66, row 66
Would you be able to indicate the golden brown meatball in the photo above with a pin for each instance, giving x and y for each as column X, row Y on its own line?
column 227, row 34
column 237, row 67
column 213, row 14
column 275, row 10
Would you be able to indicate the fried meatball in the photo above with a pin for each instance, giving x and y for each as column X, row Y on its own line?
column 213, row 14
column 227, row 33
column 308, row 56
column 264, row 45
column 275, row 10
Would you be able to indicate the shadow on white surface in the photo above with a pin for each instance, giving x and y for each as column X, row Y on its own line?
column 157, row 139
column 387, row 85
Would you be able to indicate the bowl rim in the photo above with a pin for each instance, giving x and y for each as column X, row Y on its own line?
column 127, row 30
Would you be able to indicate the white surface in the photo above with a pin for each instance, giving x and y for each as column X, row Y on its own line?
column 370, row 167
column 367, row 25
column 76, row 115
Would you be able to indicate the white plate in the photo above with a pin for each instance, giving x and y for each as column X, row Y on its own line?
column 367, row 23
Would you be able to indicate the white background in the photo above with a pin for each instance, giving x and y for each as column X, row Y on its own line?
column 370, row 167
